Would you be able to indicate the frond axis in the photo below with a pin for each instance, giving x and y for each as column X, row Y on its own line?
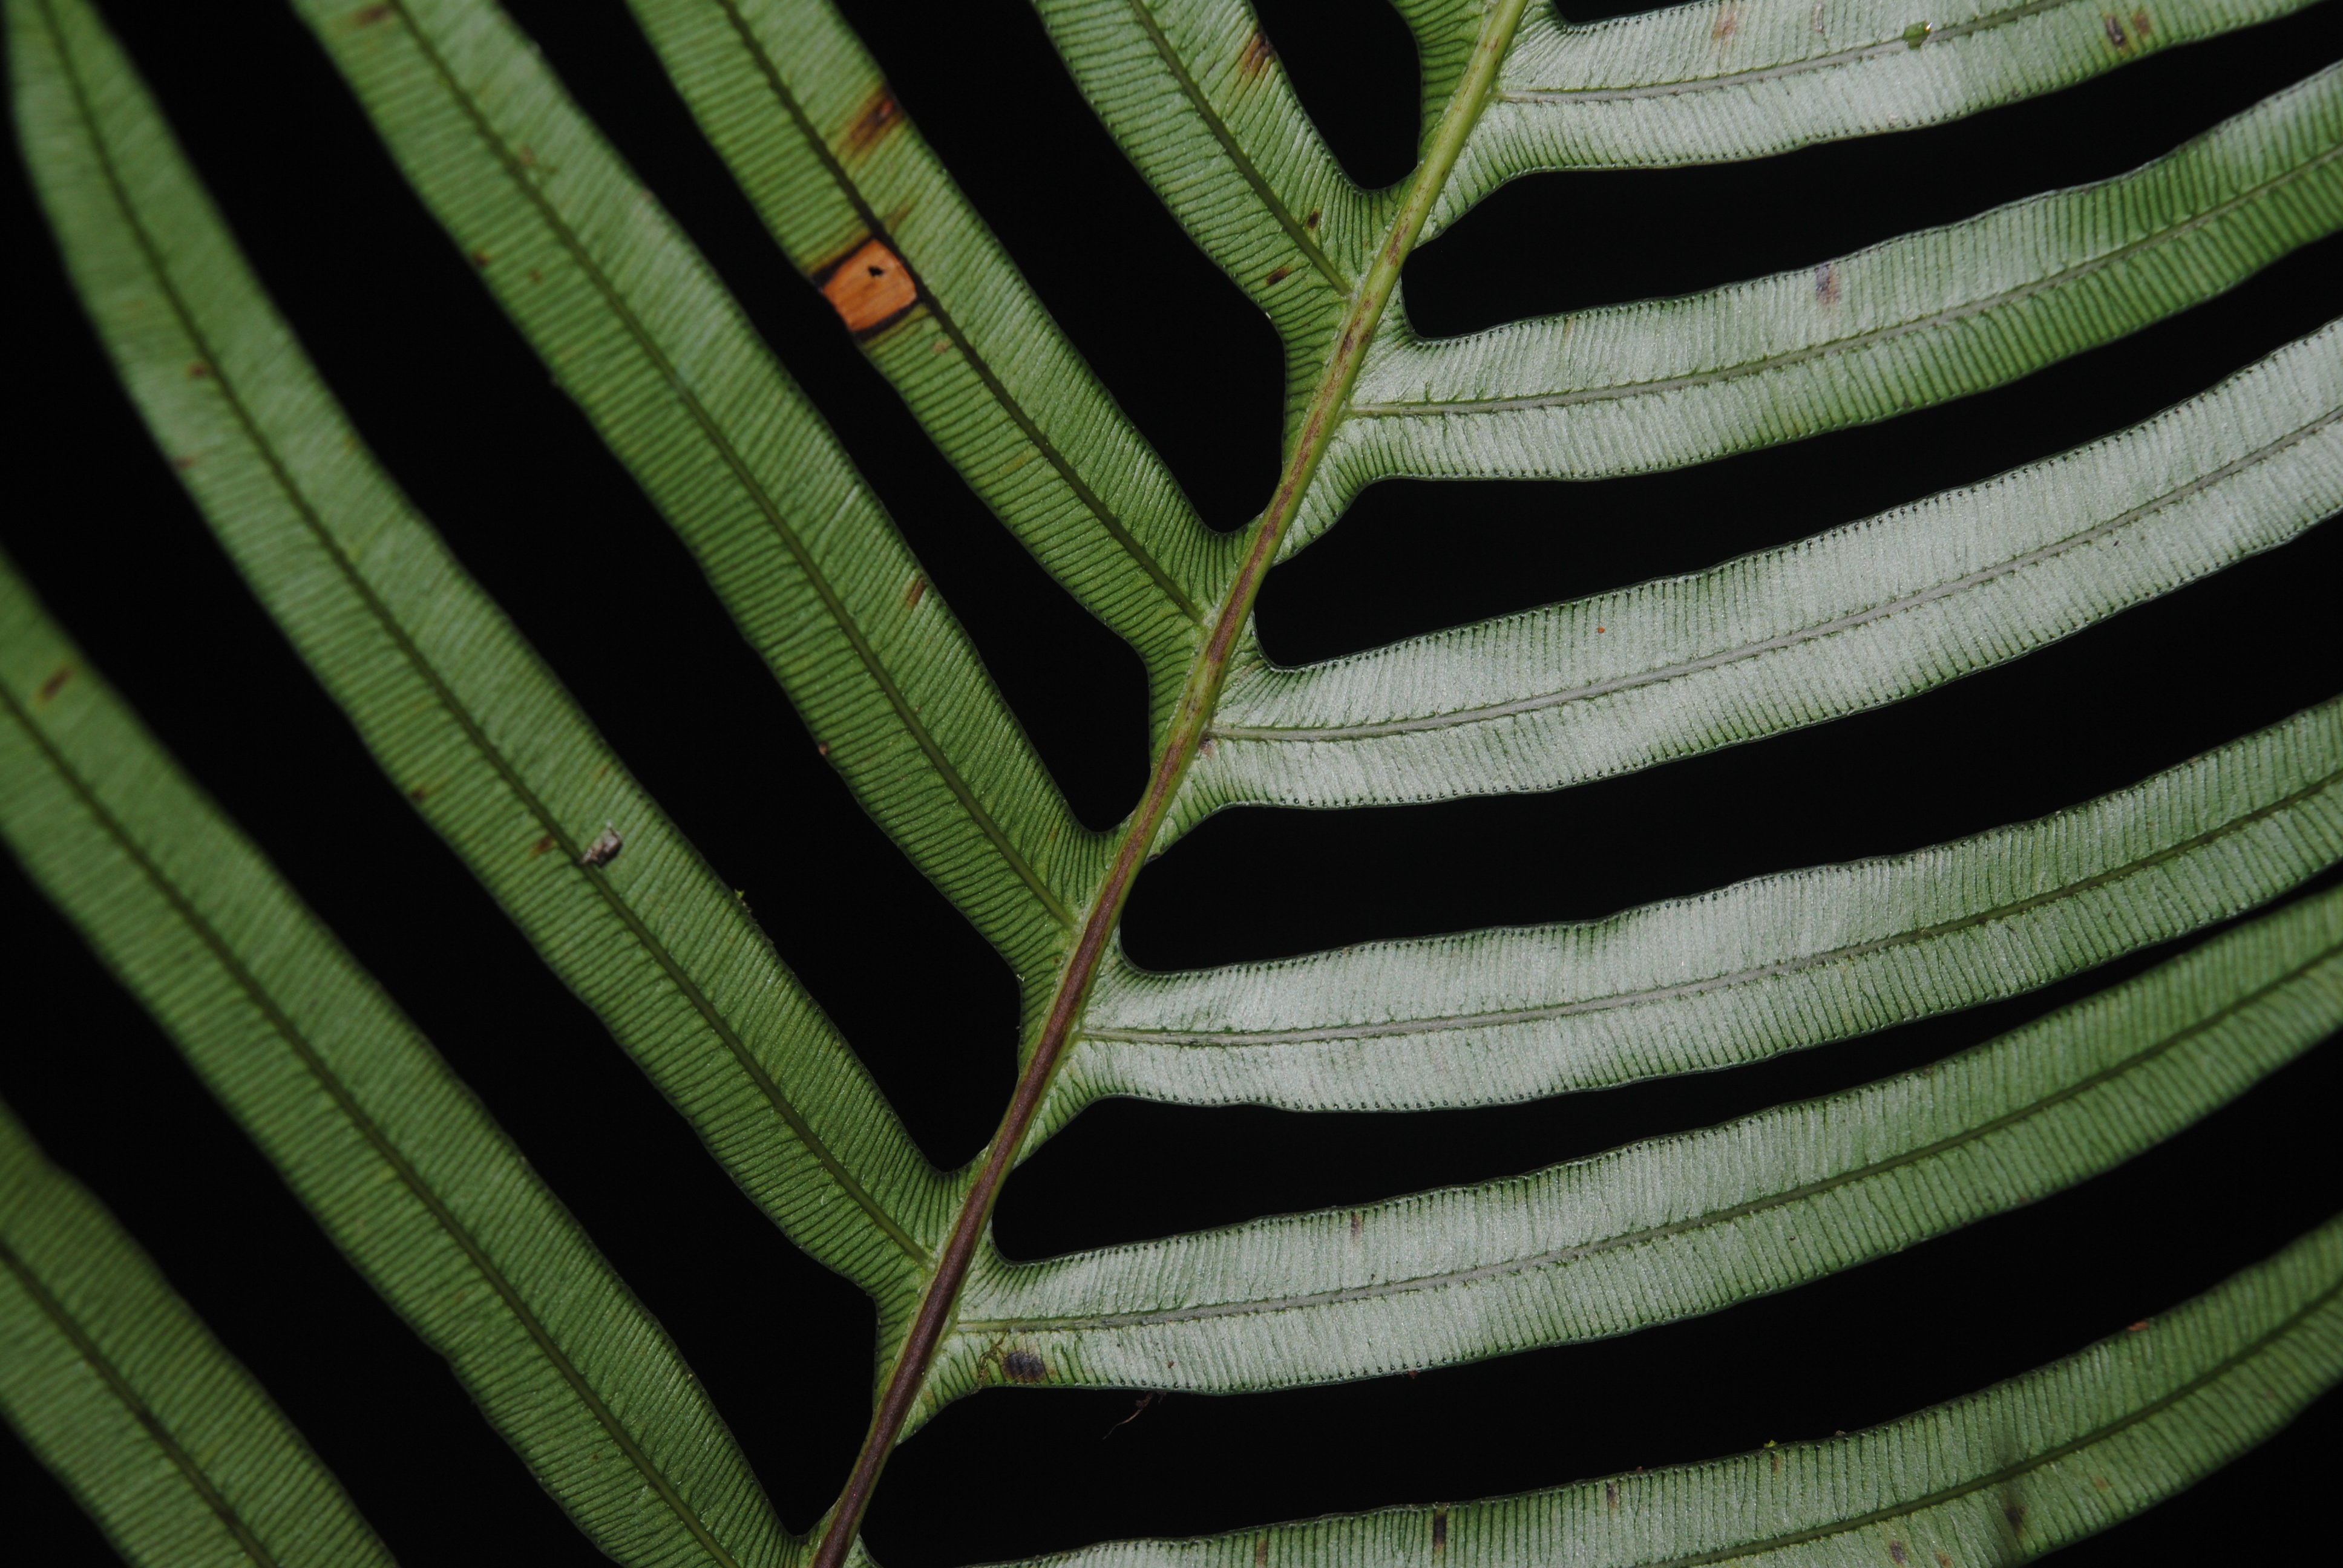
column 1326, row 409
column 875, row 225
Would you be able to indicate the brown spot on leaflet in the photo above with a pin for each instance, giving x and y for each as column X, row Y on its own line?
column 912, row 594
column 479, row 258
column 420, row 792
column 822, row 748
column 2117, row 35
column 1895, row 1551
column 540, row 847
column 1943, row 1561
column 870, row 289
column 1024, row 1366
column 54, row 684
column 1260, row 1551
column 2139, row 23
column 2016, row 1514
column 1259, row 54
column 184, row 464
column 198, row 370
column 368, row 16
column 1826, row 284
column 1358, row 1224
column 1274, row 278
column 2138, row 1328
column 1311, row 221
column 1611, row 1495
column 1728, row 22
column 1439, row 1531
column 877, row 116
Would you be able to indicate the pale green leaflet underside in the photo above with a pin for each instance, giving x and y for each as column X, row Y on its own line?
column 2001, row 1476
column 1676, row 1225
column 182, row 1457
column 1734, row 975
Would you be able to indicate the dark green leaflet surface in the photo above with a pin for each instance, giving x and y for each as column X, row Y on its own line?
column 834, row 166
column 463, row 717
column 638, row 329
column 122, row 1391
column 394, row 1156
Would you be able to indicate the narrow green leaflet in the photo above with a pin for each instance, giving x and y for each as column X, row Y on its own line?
column 402, row 1167
column 798, row 108
column 2003, row 1475
column 1707, row 82
column 1866, row 614
column 464, row 718
column 1773, row 964
column 637, row 327
column 1444, row 33
column 1675, row 1226
column 1915, row 321
column 1192, row 91
column 122, row 1392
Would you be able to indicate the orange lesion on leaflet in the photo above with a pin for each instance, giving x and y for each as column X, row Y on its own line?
column 870, row 288
column 878, row 115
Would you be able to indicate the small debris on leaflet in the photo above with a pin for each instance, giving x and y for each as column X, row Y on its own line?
column 603, row 849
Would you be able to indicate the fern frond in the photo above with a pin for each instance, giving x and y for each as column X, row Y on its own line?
column 1773, row 964
column 1866, row 614
column 1916, row 321
column 2003, row 1475
column 464, row 718
column 180, row 1457
column 834, row 166
column 1674, row 1226
column 1704, row 83
column 401, row 1166
column 637, row 327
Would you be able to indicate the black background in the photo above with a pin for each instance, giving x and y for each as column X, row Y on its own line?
column 466, row 419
